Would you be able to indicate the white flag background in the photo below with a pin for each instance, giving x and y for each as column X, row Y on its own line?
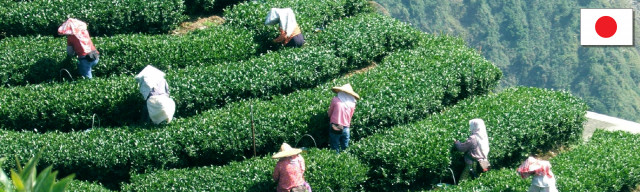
column 623, row 27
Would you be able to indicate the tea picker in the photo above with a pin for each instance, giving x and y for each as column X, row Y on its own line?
column 340, row 112
column 79, row 43
column 289, row 171
column 154, row 89
column 543, row 178
column 290, row 33
column 476, row 149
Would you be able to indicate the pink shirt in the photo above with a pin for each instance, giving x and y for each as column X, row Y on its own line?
column 289, row 173
column 73, row 41
column 340, row 113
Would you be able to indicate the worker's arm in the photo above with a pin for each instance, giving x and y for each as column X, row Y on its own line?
column 332, row 107
column 469, row 144
column 276, row 173
column 280, row 38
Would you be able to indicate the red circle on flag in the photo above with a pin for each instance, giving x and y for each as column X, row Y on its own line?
column 606, row 26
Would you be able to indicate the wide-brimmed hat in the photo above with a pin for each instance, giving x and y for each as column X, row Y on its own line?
column 72, row 27
column 285, row 151
column 347, row 89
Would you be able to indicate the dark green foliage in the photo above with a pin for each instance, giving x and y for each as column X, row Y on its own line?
column 519, row 122
column 309, row 15
column 27, row 60
column 497, row 180
column 325, row 170
column 207, row 7
column 366, row 36
column 82, row 186
column 537, row 43
column 104, row 17
column 116, row 101
column 194, row 7
column 608, row 162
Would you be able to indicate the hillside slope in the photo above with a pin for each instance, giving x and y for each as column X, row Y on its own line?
column 537, row 43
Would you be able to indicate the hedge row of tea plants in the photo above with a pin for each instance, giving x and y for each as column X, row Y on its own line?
column 103, row 17
column 325, row 171
column 207, row 7
column 393, row 93
column 117, row 101
column 196, row 89
column 309, row 15
column 519, row 122
column 366, row 36
column 608, row 162
column 29, row 60
column 82, row 186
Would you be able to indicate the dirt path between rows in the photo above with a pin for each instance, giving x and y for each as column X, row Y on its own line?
column 196, row 24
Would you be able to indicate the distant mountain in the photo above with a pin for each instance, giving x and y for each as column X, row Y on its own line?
column 537, row 43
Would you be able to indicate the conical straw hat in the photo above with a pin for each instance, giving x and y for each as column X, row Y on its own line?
column 347, row 89
column 285, row 151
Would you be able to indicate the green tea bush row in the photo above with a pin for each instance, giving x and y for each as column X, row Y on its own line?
column 325, row 170
column 519, row 122
column 608, row 162
column 309, row 15
column 104, row 17
column 196, row 7
column 366, row 36
column 393, row 93
column 32, row 60
column 207, row 7
column 83, row 186
column 116, row 101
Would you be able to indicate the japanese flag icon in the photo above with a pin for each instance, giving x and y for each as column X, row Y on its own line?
column 606, row 26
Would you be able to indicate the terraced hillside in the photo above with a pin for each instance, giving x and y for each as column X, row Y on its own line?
column 418, row 92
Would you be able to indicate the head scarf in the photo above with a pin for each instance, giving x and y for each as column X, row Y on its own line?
column 148, row 79
column 349, row 100
column 78, row 29
column 477, row 128
column 286, row 18
column 538, row 167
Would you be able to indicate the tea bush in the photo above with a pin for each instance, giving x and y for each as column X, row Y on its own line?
column 196, row 7
column 29, row 60
column 83, row 186
column 519, row 122
column 325, row 170
column 207, row 7
column 608, row 162
column 103, row 17
column 116, row 101
column 393, row 93
column 496, row 180
column 310, row 15
column 366, row 36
